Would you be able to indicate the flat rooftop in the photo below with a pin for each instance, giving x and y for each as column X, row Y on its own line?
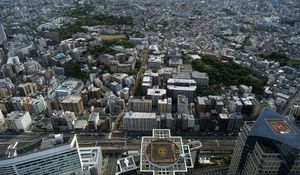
column 182, row 99
column 156, row 92
column 181, row 84
column 162, row 151
column 16, row 114
column 126, row 164
column 90, row 155
column 280, row 126
column 93, row 116
column 26, row 147
column 196, row 74
column 71, row 99
column 139, row 115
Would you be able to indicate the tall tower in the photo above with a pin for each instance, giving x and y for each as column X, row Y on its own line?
column 270, row 145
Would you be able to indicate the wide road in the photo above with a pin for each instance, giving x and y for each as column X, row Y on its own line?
column 219, row 146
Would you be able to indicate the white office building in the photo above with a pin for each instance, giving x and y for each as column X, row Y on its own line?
column 18, row 120
column 91, row 158
column 137, row 121
column 55, row 155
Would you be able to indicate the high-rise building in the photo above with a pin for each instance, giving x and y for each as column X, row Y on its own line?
column 37, row 106
column 26, row 89
column 258, row 106
column 166, row 121
column 18, row 120
column 124, row 93
column 3, row 126
column 154, row 77
column 137, row 121
column 139, row 105
column 93, row 120
column 63, row 121
column 55, row 154
column 235, row 122
column 8, row 71
column 115, row 104
column 155, row 95
column 165, row 105
column 1, row 55
column 182, row 105
column 3, row 37
column 201, row 105
column 6, row 83
column 201, row 78
column 185, row 87
column 295, row 111
column 17, row 103
column 270, row 145
column 146, row 84
column 223, row 122
column 91, row 158
column 72, row 103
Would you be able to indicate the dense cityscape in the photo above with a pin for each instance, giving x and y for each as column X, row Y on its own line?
column 134, row 87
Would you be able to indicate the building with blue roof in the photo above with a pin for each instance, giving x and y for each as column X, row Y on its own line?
column 270, row 145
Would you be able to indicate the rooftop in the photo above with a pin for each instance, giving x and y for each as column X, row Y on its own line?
column 16, row 114
column 139, row 115
column 126, row 164
column 280, row 126
column 196, row 74
column 272, row 125
column 182, row 84
column 93, row 116
column 162, row 153
column 156, row 92
column 90, row 155
column 71, row 99
column 25, row 147
column 182, row 99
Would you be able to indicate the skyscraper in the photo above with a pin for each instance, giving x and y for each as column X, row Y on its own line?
column 3, row 36
column 72, row 103
column 270, row 145
column 56, row 154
